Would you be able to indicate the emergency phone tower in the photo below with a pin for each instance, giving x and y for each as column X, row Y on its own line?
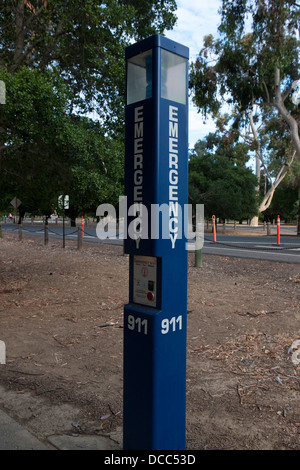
column 156, row 188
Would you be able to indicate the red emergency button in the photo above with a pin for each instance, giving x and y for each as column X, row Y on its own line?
column 150, row 296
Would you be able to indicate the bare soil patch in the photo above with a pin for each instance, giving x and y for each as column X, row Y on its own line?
column 61, row 317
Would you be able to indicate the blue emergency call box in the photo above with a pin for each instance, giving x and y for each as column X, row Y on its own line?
column 156, row 190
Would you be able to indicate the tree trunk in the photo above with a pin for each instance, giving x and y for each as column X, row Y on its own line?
column 20, row 34
column 254, row 220
column 73, row 213
column 298, row 225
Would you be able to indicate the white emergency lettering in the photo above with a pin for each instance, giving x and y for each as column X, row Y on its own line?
column 138, row 154
column 173, row 174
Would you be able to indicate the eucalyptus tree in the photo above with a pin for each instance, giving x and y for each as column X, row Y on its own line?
column 293, row 182
column 254, row 66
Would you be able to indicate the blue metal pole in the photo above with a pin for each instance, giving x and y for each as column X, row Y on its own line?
column 156, row 176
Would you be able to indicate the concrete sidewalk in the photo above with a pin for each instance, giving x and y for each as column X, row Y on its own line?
column 13, row 436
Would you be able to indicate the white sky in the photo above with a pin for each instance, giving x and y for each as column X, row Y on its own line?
column 196, row 19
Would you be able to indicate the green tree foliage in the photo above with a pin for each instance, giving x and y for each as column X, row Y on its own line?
column 244, row 67
column 293, row 183
column 225, row 189
column 284, row 203
column 61, row 59
column 97, row 168
column 254, row 67
column 50, row 152
column 34, row 125
column 84, row 40
column 226, row 141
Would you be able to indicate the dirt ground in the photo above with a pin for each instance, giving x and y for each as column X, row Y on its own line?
column 61, row 317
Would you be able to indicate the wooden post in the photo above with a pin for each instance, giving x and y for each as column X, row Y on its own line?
column 198, row 258
column 20, row 232
column 46, row 235
column 199, row 244
column 2, row 353
column 82, row 226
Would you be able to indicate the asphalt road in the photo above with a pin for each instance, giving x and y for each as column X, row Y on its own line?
column 261, row 247
column 253, row 247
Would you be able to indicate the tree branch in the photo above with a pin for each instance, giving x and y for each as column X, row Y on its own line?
column 23, row 55
column 280, row 176
column 289, row 90
column 289, row 119
column 47, row 55
column 20, row 32
column 267, row 92
column 36, row 14
column 257, row 150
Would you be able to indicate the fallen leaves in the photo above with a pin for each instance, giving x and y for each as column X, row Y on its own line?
column 257, row 314
column 260, row 362
column 295, row 279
